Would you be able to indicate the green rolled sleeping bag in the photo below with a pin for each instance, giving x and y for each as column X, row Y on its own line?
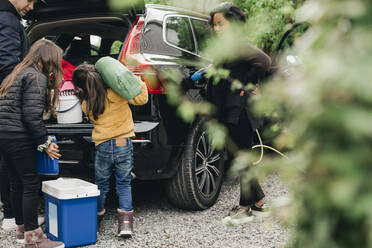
column 118, row 77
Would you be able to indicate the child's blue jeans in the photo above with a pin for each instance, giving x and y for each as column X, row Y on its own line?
column 109, row 155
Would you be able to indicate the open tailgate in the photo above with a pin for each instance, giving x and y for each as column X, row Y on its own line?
column 57, row 9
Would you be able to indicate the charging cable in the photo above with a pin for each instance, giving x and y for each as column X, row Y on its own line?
column 262, row 146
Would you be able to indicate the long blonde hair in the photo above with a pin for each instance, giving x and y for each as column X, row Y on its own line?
column 45, row 57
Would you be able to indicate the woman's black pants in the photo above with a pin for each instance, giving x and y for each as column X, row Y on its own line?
column 20, row 156
column 5, row 189
column 242, row 135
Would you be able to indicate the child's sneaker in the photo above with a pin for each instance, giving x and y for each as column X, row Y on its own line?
column 9, row 224
column 262, row 211
column 238, row 216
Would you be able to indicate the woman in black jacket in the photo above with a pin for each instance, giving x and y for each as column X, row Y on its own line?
column 25, row 94
column 233, row 106
column 14, row 45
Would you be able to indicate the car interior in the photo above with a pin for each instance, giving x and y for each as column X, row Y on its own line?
column 84, row 39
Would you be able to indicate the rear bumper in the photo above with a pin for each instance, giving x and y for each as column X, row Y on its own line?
column 153, row 158
column 81, row 129
column 148, row 160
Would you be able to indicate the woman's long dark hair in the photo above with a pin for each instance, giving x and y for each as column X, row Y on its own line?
column 230, row 11
column 45, row 57
column 87, row 78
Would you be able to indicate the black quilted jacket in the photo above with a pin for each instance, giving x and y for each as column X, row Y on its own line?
column 14, row 43
column 21, row 111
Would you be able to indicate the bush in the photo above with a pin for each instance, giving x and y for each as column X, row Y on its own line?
column 328, row 102
column 270, row 19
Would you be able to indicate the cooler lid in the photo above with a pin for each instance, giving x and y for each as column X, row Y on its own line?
column 69, row 188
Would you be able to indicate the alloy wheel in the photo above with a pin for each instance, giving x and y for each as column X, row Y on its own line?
column 206, row 165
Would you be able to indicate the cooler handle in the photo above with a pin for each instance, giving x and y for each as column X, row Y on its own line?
column 64, row 111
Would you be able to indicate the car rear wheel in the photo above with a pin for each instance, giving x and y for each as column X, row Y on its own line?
column 197, row 183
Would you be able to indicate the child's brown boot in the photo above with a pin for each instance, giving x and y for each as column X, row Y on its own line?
column 125, row 223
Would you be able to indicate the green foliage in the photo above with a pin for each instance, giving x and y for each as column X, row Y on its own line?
column 217, row 133
column 115, row 48
column 162, row 2
column 326, row 105
column 268, row 20
column 123, row 5
column 93, row 53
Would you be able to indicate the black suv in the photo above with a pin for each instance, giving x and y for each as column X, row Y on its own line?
column 148, row 40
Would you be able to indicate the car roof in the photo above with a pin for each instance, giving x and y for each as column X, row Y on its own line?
column 169, row 8
column 57, row 9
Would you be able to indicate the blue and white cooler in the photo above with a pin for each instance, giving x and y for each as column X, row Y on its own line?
column 71, row 211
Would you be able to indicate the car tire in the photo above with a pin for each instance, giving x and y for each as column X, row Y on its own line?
column 197, row 183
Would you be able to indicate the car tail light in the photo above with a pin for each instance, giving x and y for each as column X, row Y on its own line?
column 132, row 58
column 132, row 44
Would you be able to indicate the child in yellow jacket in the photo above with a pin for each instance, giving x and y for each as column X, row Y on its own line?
column 112, row 133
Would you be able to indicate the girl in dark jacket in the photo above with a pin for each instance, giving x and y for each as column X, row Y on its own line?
column 25, row 94
column 233, row 106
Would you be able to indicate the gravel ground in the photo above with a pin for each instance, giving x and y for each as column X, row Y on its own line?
column 159, row 224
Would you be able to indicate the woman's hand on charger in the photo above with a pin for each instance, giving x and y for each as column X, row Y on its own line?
column 53, row 151
column 196, row 76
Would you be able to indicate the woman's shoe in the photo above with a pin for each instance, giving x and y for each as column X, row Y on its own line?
column 20, row 234
column 20, row 231
column 238, row 216
column 37, row 239
column 262, row 211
